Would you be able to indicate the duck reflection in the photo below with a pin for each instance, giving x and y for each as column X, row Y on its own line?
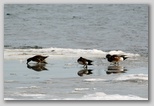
column 85, row 72
column 115, row 69
column 37, row 67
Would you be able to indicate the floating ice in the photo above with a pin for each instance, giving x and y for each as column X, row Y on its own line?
column 133, row 76
column 103, row 96
column 94, row 80
column 24, row 53
column 81, row 89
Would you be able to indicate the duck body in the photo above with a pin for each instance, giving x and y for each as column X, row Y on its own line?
column 116, row 58
column 84, row 61
column 38, row 59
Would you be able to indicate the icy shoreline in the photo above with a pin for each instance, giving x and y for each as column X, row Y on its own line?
column 68, row 52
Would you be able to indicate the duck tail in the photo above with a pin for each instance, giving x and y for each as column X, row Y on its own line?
column 44, row 62
column 124, row 57
column 46, row 56
column 90, row 62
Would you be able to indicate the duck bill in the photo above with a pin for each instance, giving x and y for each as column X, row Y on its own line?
column 27, row 62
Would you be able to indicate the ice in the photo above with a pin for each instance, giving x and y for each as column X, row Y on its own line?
column 133, row 76
column 63, row 52
column 103, row 96
column 94, row 80
column 81, row 89
column 93, row 96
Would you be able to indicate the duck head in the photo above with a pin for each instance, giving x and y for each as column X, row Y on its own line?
column 108, row 56
column 28, row 60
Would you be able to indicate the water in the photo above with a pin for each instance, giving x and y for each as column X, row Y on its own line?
column 65, row 32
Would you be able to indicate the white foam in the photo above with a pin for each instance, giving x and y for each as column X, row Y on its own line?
column 24, row 53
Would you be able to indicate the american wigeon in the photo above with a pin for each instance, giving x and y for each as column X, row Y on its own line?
column 38, row 59
column 84, row 61
column 115, row 58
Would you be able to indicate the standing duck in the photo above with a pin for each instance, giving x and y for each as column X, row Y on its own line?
column 84, row 61
column 115, row 58
column 38, row 59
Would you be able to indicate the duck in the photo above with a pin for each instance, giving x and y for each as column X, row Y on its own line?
column 84, row 62
column 37, row 58
column 116, row 58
